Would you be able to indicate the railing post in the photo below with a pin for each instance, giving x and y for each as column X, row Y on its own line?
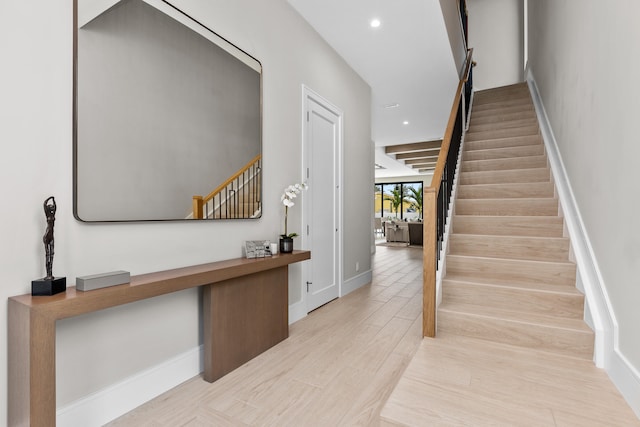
column 429, row 263
column 197, row 207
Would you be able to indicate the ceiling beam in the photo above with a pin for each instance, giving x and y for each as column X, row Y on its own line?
column 420, row 160
column 424, row 165
column 417, row 154
column 416, row 146
column 425, row 170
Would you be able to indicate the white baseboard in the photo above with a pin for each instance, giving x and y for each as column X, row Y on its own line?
column 627, row 379
column 356, row 282
column 601, row 313
column 114, row 401
column 601, row 316
column 297, row 311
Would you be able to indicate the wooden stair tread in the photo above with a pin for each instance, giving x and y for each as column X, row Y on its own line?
column 510, row 100
column 509, row 141
column 506, row 190
column 503, row 133
column 538, row 287
column 563, row 336
column 522, row 317
column 542, row 226
column 508, row 176
column 503, row 124
column 508, row 207
column 552, row 303
column 510, row 247
column 514, row 163
column 501, row 109
column 503, row 117
column 504, row 152
column 512, row 271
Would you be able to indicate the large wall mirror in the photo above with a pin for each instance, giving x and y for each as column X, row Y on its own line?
column 167, row 117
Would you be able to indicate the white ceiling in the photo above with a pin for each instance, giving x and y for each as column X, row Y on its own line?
column 406, row 61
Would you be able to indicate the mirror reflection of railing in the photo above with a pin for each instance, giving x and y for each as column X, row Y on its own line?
column 237, row 197
column 437, row 197
column 163, row 119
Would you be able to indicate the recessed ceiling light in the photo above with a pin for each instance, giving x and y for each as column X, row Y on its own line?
column 406, row 122
column 375, row 23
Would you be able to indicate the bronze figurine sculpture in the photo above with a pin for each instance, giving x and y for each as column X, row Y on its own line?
column 47, row 239
column 49, row 285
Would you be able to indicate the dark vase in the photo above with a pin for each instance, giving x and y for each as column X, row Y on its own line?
column 286, row 245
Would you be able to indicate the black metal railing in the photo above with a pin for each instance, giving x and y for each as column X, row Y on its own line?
column 448, row 175
column 437, row 197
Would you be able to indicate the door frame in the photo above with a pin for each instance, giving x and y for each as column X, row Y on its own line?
column 308, row 93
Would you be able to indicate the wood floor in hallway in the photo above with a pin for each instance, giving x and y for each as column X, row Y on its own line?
column 338, row 366
column 362, row 356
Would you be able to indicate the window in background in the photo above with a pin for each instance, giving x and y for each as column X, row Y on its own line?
column 401, row 200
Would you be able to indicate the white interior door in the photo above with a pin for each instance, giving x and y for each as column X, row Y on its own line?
column 322, row 147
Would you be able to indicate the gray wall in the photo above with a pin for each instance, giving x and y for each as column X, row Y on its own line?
column 98, row 350
column 451, row 14
column 496, row 32
column 584, row 61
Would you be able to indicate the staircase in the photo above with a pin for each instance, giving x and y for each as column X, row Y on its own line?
column 509, row 277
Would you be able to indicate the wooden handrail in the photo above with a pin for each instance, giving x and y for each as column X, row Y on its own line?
column 430, row 213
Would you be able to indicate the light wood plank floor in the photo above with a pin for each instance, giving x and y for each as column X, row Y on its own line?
column 341, row 364
column 338, row 366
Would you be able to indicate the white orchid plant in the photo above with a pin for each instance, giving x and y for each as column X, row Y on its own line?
column 290, row 193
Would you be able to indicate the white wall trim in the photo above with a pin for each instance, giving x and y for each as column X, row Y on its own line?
column 116, row 400
column 308, row 93
column 356, row 282
column 297, row 310
column 627, row 379
column 598, row 301
column 600, row 313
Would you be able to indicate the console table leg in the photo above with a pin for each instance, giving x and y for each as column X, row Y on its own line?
column 31, row 377
column 243, row 317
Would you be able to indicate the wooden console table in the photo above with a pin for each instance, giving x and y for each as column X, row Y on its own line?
column 245, row 312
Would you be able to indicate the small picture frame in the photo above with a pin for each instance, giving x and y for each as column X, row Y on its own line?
column 257, row 248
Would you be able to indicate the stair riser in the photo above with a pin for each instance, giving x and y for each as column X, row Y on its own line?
column 502, row 89
column 481, row 98
column 503, row 133
column 570, row 306
column 489, row 144
column 506, row 191
column 500, row 207
column 481, row 112
column 520, row 176
column 526, row 248
column 506, row 124
column 501, row 118
column 555, row 340
column 530, row 162
column 513, row 89
column 508, row 226
column 504, row 271
column 504, row 153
